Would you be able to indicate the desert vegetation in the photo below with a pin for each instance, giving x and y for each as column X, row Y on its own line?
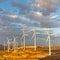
column 29, row 54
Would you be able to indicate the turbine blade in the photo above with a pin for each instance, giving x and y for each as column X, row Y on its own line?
column 37, row 32
column 33, row 30
column 26, row 34
column 47, row 38
column 52, row 34
column 33, row 35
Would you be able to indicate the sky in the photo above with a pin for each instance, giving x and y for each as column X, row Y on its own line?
column 41, row 15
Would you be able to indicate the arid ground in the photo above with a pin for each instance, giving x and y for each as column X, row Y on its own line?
column 30, row 54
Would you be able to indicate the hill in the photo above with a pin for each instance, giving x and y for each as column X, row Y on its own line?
column 54, row 57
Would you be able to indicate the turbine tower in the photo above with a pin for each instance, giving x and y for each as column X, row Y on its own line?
column 34, row 36
column 49, row 40
column 8, row 44
column 4, row 46
column 14, row 43
column 24, row 37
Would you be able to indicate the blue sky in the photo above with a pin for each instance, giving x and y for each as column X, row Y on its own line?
column 14, row 14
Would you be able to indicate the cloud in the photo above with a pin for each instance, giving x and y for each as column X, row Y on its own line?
column 21, row 5
column 1, row 10
column 57, row 2
column 12, row 20
column 45, row 21
column 34, row 19
column 53, row 17
column 47, row 6
column 13, row 16
column 23, row 8
column 42, row 15
column 39, row 14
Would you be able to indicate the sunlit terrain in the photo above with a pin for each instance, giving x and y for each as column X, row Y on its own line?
column 28, row 54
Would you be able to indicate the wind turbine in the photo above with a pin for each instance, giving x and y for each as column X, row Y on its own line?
column 14, row 43
column 49, row 40
column 24, row 37
column 34, row 36
column 4, row 46
column 8, row 44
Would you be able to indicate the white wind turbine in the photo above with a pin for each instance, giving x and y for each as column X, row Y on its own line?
column 8, row 44
column 14, row 43
column 4, row 46
column 24, row 38
column 34, row 36
column 49, row 40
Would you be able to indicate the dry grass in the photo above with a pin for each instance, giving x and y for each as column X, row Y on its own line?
column 28, row 54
